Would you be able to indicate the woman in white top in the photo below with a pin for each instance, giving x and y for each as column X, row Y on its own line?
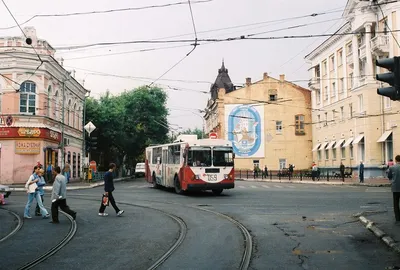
column 34, row 194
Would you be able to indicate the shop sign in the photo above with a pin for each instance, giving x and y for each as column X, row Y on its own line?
column 27, row 147
column 29, row 132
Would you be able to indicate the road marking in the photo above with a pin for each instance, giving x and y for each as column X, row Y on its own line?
column 253, row 186
column 278, row 186
column 292, row 186
column 241, row 186
column 265, row 186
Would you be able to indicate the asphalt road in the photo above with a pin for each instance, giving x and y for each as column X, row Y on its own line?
column 293, row 226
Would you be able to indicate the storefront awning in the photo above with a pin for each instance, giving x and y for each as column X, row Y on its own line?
column 323, row 146
column 339, row 143
column 348, row 142
column 358, row 139
column 384, row 136
column 330, row 145
column 316, row 147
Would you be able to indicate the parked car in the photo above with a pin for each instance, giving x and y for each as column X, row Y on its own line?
column 140, row 170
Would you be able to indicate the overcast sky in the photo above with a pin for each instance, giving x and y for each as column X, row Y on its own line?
column 245, row 58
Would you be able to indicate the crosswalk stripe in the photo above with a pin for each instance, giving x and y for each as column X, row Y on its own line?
column 241, row 186
column 265, row 186
column 292, row 186
column 278, row 186
column 253, row 187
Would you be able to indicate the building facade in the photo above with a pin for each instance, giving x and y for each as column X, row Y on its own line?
column 41, row 107
column 267, row 122
column 352, row 123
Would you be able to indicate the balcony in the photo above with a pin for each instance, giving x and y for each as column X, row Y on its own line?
column 380, row 44
column 314, row 83
column 349, row 58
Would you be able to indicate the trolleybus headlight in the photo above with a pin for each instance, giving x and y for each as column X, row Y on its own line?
column 226, row 176
column 196, row 177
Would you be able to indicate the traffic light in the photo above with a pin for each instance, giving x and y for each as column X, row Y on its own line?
column 392, row 78
column 93, row 143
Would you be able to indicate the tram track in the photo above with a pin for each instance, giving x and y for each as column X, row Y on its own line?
column 17, row 228
column 68, row 237
column 248, row 241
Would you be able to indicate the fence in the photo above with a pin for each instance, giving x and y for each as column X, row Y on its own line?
column 325, row 174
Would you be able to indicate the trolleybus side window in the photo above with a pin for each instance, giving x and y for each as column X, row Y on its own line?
column 222, row 156
column 157, row 152
column 174, row 154
column 199, row 156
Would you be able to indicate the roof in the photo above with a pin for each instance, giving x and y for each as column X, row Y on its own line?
column 222, row 81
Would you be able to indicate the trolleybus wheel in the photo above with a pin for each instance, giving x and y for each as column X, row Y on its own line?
column 217, row 191
column 177, row 185
column 155, row 185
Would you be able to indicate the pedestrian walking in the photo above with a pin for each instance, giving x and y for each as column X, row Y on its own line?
column 108, row 192
column 361, row 172
column 67, row 171
column 314, row 171
column 59, row 197
column 31, row 187
column 341, row 171
column 49, row 173
column 41, row 183
column 265, row 171
column 394, row 176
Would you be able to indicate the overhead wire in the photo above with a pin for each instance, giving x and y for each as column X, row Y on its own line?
column 104, row 11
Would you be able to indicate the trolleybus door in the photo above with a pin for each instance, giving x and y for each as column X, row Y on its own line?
column 164, row 167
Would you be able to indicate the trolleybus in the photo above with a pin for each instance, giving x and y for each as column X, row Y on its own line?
column 191, row 164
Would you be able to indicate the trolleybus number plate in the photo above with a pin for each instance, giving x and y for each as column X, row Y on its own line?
column 212, row 177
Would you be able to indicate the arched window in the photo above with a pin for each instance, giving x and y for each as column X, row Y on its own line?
column 49, row 102
column 27, row 98
column 68, row 113
column 74, row 114
column 56, row 108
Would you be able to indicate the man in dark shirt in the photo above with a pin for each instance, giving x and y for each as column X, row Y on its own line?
column 109, row 188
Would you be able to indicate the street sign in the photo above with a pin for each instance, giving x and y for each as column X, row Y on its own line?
column 213, row 135
column 90, row 127
column 93, row 165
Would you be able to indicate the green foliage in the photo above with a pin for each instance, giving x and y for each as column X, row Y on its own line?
column 127, row 123
column 195, row 131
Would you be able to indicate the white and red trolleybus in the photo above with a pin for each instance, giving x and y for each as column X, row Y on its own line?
column 191, row 164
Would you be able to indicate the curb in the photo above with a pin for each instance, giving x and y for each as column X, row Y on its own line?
column 316, row 182
column 100, row 183
column 379, row 233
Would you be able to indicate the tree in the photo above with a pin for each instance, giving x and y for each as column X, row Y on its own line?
column 195, row 131
column 127, row 123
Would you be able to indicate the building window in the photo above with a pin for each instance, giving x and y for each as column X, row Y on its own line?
column 319, row 120
column 326, row 93
column 350, row 110
column 55, row 109
column 351, row 151
column 49, row 111
column 343, row 152
column 349, row 48
column 272, row 98
column 332, row 62
column 79, row 118
column 360, row 103
column 333, row 89
column 282, row 163
column 326, row 154
column 326, row 119
column 299, row 124
column 334, row 153
column 351, row 80
column 341, row 85
column 341, row 113
column 340, row 58
column 318, row 96
column 325, row 69
column 278, row 127
column 319, row 155
column 27, row 102
column 389, row 147
column 74, row 115
column 69, row 113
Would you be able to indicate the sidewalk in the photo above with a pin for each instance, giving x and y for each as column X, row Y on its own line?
column 383, row 224
column 376, row 182
column 72, row 185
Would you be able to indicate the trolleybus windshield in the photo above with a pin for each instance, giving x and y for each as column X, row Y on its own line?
column 199, row 156
column 222, row 156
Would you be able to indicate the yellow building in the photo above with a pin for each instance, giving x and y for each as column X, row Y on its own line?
column 352, row 122
column 268, row 122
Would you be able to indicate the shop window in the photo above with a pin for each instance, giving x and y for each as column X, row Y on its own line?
column 27, row 98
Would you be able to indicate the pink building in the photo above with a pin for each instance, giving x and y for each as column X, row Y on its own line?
column 41, row 103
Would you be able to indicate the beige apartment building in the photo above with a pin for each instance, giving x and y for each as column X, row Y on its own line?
column 268, row 121
column 351, row 122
